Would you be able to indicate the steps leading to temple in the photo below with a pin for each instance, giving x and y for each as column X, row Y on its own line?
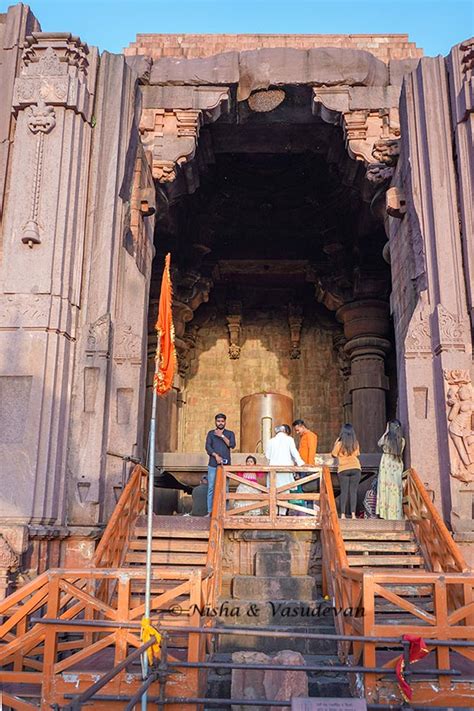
column 376, row 543
column 273, row 597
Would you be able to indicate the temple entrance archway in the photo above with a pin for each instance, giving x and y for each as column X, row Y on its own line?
column 280, row 283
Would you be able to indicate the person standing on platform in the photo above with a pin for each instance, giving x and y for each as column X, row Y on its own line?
column 219, row 442
column 308, row 442
column 389, row 493
column 346, row 450
column 308, row 445
column 281, row 451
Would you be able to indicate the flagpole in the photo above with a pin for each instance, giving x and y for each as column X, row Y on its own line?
column 149, row 532
column 165, row 362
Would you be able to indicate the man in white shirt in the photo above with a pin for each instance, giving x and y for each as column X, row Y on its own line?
column 281, row 451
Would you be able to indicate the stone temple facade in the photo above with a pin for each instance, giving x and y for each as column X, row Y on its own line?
column 316, row 195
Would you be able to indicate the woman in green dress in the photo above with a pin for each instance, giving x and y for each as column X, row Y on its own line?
column 389, row 487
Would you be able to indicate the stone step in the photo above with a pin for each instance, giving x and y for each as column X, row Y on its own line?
column 178, row 545
column 246, row 587
column 269, row 645
column 397, row 561
column 358, row 534
column 286, row 613
column 167, row 558
column 372, row 524
column 381, row 546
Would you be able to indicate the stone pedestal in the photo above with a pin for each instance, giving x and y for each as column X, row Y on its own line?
column 366, row 327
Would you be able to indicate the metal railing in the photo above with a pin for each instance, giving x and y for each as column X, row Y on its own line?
column 167, row 668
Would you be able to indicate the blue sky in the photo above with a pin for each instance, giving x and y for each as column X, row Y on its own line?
column 435, row 25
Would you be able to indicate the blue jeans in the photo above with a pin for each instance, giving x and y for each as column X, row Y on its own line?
column 211, row 481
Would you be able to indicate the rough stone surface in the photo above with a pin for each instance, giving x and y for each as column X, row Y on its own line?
column 272, row 563
column 285, row 685
column 273, row 588
column 248, row 683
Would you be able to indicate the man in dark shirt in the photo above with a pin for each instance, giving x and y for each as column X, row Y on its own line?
column 219, row 442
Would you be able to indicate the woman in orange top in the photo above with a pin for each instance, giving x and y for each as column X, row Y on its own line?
column 346, row 451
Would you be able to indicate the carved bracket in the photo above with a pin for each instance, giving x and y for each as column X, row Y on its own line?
column 234, row 325
column 295, row 321
column 172, row 134
column 370, row 132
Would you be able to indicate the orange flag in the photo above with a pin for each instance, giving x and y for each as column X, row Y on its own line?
column 165, row 349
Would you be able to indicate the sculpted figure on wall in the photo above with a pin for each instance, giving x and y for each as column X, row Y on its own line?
column 460, row 402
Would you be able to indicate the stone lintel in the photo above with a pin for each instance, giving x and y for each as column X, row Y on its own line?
column 203, row 98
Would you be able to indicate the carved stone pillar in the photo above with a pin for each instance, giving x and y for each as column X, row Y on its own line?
column 41, row 277
column 366, row 327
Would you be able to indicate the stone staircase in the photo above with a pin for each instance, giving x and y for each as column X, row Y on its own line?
column 384, row 546
column 274, row 597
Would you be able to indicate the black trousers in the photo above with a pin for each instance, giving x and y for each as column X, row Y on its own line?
column 349, row 480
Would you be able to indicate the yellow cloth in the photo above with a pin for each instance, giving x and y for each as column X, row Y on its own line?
column 308, row 446
column 147, row 632
column 345, row 461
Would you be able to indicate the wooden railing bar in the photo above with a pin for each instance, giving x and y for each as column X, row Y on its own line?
column 448, row 541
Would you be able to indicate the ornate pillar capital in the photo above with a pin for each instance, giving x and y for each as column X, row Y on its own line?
column 55, row 71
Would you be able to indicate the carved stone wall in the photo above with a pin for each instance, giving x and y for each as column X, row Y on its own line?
column 216, row 382
column 429, row 296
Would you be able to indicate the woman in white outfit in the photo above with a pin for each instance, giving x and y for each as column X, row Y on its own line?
column 281, row 451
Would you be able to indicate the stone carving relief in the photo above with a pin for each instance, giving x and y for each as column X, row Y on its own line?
column 452, row 332
column 295, row 321
column 128, row 345
column 24, row 310
column 9, row 561
column 98, row 337
column 54, row 70
column 234, row 326
column 460, row 409
column 418, row 337
column 41, row 119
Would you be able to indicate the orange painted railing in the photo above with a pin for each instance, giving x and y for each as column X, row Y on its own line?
column 438, row 547
column 216, row 542
column 363, row 594
column 112, row 548
column 36, row 618
column 267, row 505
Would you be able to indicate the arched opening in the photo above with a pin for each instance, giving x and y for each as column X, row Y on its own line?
column 268, row 252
